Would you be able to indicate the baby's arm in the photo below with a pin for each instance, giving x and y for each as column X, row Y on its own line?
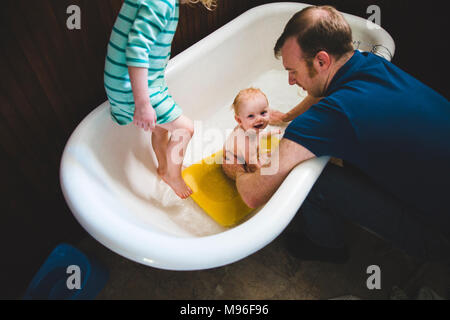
column 251, row 152
column 231, row 150
column 252, row 149
column 243, row 148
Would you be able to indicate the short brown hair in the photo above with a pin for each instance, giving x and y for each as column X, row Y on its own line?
column 318, row 28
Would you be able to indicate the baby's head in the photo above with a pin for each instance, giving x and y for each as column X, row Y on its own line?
column 251, row 109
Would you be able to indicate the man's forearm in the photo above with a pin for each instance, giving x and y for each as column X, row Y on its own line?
column 231, row 170
column 256, row 189
column 302, row 107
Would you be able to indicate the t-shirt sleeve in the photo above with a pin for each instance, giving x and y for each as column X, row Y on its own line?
column 324, row 130
column 151, row 19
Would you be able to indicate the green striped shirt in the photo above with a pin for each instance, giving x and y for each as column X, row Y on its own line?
column 141, row 37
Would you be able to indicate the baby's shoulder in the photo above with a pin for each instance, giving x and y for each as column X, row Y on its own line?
column 233, row 138
column 237, row 132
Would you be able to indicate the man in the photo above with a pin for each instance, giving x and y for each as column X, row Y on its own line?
column 392, row 132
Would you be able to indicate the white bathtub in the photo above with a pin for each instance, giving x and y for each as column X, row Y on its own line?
column 108, row 172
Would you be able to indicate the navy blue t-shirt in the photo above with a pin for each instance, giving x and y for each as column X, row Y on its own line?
column 388, row 124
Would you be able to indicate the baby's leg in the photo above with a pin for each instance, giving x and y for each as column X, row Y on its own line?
column 181, row 131
column 160, row 140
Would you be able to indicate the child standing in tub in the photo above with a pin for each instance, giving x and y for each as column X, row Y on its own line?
column 138, row 53
column 251, row 109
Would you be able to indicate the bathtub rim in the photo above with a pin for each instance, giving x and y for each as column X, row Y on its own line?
column 212, row 40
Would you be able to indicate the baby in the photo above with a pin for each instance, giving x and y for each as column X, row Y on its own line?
column 251, row 109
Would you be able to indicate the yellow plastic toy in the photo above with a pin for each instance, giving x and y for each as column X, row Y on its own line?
column 214, row 192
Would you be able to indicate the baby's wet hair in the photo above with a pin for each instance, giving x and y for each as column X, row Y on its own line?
column 245, row 94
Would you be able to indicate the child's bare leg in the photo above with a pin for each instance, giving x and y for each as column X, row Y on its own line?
column 160, row 140
column 181, row 131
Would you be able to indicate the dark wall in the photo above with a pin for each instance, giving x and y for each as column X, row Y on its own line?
column 51, row 78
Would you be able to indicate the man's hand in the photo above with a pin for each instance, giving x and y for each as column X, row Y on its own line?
column 256, row 188
column 144, row 117
column 231, row 166
column 276, row 118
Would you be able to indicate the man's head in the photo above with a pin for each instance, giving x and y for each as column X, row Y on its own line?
column 311, row 42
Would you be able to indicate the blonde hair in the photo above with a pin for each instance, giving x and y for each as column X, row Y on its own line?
column 209, row 4
column 244, row 95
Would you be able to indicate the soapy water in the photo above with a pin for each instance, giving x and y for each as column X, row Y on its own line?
column 209, row 137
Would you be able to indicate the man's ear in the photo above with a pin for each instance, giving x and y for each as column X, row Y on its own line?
column 323, row 60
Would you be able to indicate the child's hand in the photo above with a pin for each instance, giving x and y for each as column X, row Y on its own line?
column 144, row 117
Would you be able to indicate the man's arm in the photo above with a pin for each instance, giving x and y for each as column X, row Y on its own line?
column 302, row 107
column 255, row 188
column 231, row 167
column 278, row 117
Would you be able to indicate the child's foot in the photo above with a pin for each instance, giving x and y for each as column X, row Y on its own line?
column 176, row 183
column 161, row 171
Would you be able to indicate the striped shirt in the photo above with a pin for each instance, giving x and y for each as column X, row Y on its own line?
column 141, row 37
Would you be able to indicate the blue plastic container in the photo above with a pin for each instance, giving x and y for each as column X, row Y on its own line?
column 51, row 281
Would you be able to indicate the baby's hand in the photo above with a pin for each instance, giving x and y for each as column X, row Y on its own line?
column 145, row 117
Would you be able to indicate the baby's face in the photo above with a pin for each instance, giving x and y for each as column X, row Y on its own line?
column 253, row 113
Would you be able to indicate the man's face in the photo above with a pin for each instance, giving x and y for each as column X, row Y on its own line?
column 299, row 72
